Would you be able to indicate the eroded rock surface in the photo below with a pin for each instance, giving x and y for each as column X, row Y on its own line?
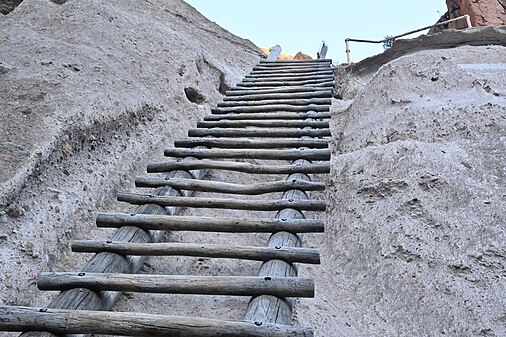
column 482, row 13
column 90, row 92
column 415, row 239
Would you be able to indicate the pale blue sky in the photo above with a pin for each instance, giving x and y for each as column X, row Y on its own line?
column 301, row 25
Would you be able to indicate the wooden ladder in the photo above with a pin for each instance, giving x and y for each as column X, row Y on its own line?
column 278, row 112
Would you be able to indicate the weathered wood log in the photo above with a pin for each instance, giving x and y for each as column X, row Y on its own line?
column 64, row 322
column 289, row 72
column 179, row 284
column 208, row 224
column 290, row 89
column 290, row 69
column 302, row 101
column 267, row 154
column 273, row 123
column 289, row 254
column 289, row 95
column 282, row 78
column 238, row 167
column 269, row 115
column 252, row 205
column 281, row 83
column 222, row 187
column 274, row 76
column 258, row 132
column 246, row 143
column 280, row 62
column 329, row 84
column 272, row 107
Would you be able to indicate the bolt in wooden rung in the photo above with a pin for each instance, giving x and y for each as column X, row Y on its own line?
column 186, row 165
column 222, row 187
column 246, row 143
column 258, row 132
column 251, row 205
column 269, row 115
column 288, row 254
column 311, row 154
column 63, row 322
column 272, row 108
column 276, row 123
column 179, row 284
column 209, row 224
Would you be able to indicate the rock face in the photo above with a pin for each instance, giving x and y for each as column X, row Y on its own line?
column 90, row 92
column 482, row 13
column 8, row 6
column 66, row 67
column 415, row 242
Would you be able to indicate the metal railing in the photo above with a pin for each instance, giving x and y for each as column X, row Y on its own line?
column 393, row 38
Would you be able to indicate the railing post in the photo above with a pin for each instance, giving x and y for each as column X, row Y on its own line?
column 348, row 58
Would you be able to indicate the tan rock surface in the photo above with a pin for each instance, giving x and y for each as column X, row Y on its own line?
column 482, row 13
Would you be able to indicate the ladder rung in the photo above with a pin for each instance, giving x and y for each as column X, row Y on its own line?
column 187, row 165
column 268, row 154
column 246, row 143
column 62, row 322
column 272, row 108
column 288, row 254
column 222, row 187
column 259, row 132
column 252, row 205
column 269, row 115
column 281, row 123
column 289, row 89
column 179, row 284
column 209, row 224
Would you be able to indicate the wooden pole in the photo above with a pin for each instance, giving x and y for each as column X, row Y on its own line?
column 272, row 107
column 222, row 187
column 208, row 224
column 251, row 205
column 258, row 132
column 288, row 89
column 282, row 95
column 267, row 154
column 295, row 78
column 237, row 166
column 327, row 82
column 289, row 254
column 179, row 284
column 289, row 72
column 246, row 143
column 288, row 101
column 269, row 116
column 64, row 322
column 272, row 123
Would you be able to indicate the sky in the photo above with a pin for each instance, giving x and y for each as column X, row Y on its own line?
column 302, row 25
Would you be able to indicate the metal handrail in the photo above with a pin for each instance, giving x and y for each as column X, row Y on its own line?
column 348, row 40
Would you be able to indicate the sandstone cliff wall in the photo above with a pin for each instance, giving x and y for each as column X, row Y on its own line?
column 482, row 13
